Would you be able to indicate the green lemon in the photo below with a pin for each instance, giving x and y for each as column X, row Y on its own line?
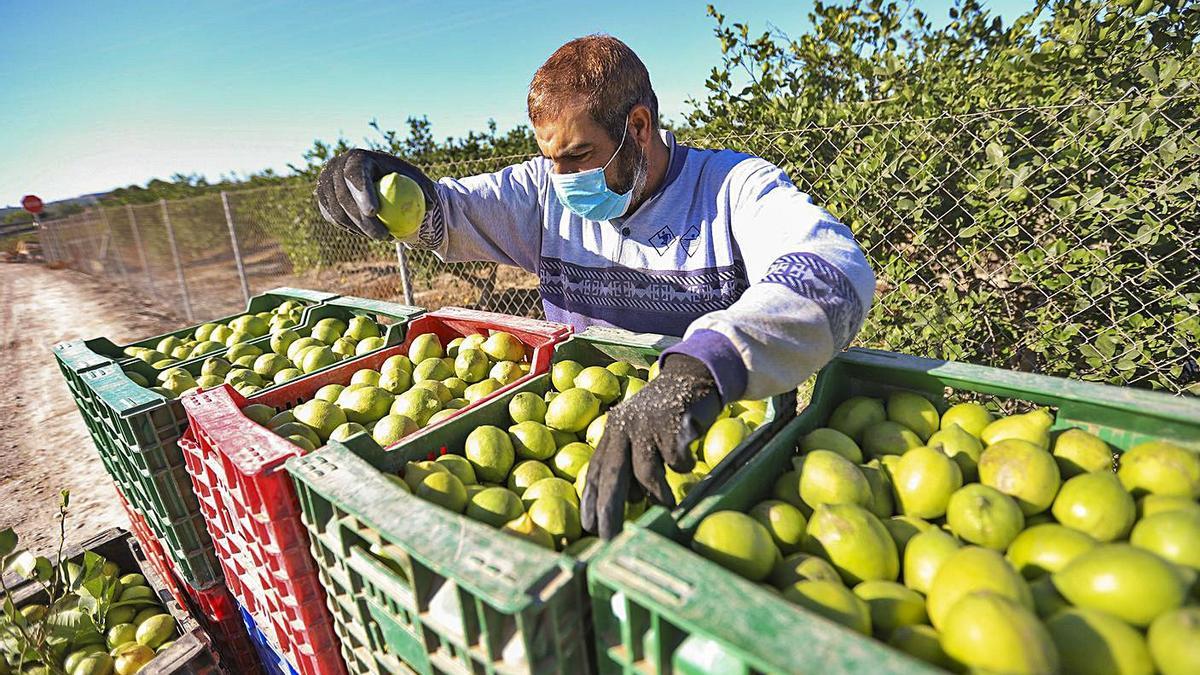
column 258, row 413
column 972, row 418
column 1078, row 451
column 289, row 429
column 802, row 567
column 1094, row 642
column 924, row 480
column 526, row 473
column 563, row 374
column 854, row 540
column 1174, row 640
column 1097, row 505
column 527, row 407
column 401, row 205
column 924, row 643
column 981, row 515
column 425, row 346
column 494, row 506
column 833, row 440
column 892, row 605
column 889, row 438
column 595, row 431
column 913, row 411
column 1021, row 470
column 601, row 382
column 365, row 376
column 970, row 570
column 322, row 416
column 737, row 542
column 570, row 459
column 903, row 529
column 832, row 601
column 991, row 632
column 443, row 489
column 532, row 440
column 347, row 430
column 572, row 410
column 962, row 447
column 785, row 523
column 1047, row 548
column 855, row 414
column 459, row 466
column 120, row 634
column 1030, row 427
column 490, row 451
column 418, row 405
column 365, row 404
column 553, row 486
column 723, row 437
column 1160, row 468
column 472, row 365
column 829, row 478
column 415, row 472
column 524, row 527
column 558, row 516
column 390, row 429
column 506, row 372
column 1173, row 535
column 502, row 346
column 481, row 389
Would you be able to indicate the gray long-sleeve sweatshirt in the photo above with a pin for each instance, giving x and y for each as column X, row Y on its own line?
column 764, row 286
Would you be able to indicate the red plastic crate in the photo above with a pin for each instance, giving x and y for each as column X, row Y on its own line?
column 539, row 338
column 213, row 606
column 249, row 502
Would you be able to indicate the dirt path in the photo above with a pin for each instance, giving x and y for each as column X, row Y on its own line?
column 44, row 445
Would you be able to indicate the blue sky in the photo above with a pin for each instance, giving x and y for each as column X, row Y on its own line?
column 98, row 95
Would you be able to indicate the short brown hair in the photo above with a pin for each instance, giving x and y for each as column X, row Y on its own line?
column 601, row 71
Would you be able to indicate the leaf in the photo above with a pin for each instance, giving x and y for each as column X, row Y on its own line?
column 8, row 541
column 24, row 565
column 995, row 155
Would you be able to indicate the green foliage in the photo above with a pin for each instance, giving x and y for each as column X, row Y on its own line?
column 75, row 597
column 1022, row 191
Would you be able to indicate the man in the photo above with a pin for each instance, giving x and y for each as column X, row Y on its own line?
column 626, row 227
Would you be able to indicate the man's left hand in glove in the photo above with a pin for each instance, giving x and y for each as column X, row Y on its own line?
column 651, row 430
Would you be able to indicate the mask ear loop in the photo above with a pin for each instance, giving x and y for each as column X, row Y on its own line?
column 624, row 133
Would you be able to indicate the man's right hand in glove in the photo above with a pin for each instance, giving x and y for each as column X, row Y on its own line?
column 347, row 193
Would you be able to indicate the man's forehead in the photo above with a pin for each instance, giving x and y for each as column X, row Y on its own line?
column 572, row 127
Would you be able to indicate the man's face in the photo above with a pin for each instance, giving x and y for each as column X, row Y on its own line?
column 573, row 142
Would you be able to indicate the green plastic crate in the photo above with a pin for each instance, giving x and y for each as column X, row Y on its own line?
column 76, row 356
column 460, row 597
column 136, row 431
column 660, row 608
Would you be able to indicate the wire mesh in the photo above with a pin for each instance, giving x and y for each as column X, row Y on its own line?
column 1049, row 239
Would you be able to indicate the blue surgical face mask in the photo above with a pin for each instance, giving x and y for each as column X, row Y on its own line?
column 587, row 194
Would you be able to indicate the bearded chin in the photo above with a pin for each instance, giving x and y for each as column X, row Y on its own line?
column 641, row 172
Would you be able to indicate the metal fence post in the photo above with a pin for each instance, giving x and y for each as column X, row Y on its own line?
column 405, row 282
column 237, row 251
column 137, row 240
column 113, row 247
column 187, row 301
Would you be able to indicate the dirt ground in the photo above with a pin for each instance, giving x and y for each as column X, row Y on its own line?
column 44, row 445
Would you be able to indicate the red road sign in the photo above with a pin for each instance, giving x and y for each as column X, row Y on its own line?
column 32, row 203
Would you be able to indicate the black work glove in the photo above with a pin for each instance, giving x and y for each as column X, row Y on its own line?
column 347, row 194
column 652, row 428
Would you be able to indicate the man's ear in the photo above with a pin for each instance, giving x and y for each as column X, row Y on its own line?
column 641, row 124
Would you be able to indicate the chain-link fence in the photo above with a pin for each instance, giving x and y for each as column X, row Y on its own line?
column 1059, row 239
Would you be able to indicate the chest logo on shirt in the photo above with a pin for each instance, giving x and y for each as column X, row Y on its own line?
column 662, row 239
column 690, row 239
